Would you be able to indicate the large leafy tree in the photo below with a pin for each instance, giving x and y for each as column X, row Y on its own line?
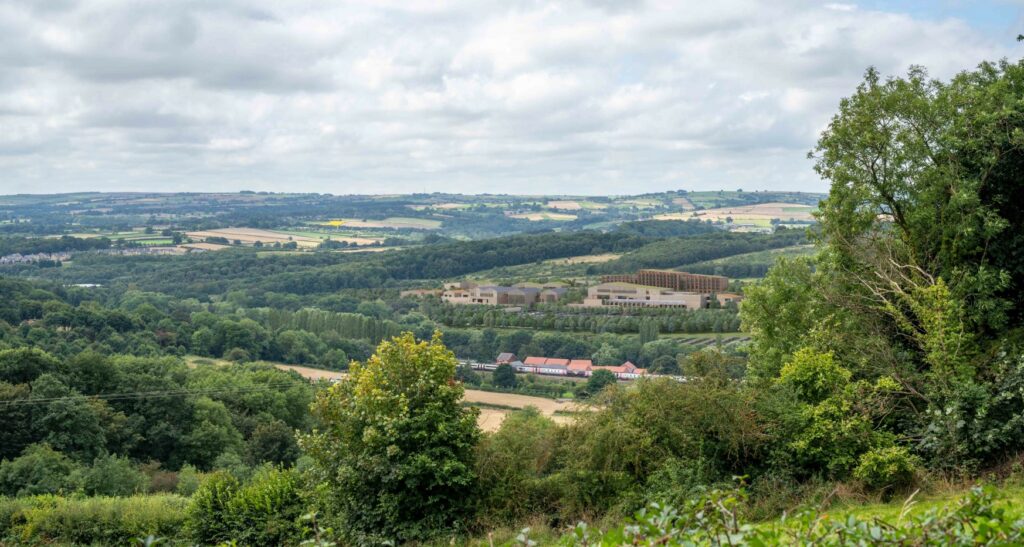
column 394, row 450
column 925, row 193
column 921, row 237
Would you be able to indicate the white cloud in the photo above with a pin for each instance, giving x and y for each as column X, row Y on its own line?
column 368, row 96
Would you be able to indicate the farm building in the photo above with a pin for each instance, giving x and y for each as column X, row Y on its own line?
column 625, row 371
column 577, row 367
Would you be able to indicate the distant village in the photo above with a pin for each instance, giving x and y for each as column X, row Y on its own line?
column 64, row 256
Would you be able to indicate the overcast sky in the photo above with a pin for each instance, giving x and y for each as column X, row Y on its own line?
column 589, row 97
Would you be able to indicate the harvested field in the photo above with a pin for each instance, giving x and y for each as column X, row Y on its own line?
column 450, row 206
column 490, row 418
column 760, row 213
column 391, row 222
column 249, row 236
column 314, row 373
column 642, row 203
column 565, row 205
column 546, row 406
column 685, row 203
column 335, row 237
column 545, row 216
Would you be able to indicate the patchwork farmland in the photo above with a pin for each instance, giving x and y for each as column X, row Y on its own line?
column 249, row 236
column 760, row 214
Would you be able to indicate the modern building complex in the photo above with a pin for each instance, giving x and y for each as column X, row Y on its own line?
column 670, row 279
column 466, row 292
column 660, row 289
column 631, row 294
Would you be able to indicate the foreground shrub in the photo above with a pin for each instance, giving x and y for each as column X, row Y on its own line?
column 714, row 520
column 395, row 448
column 91, row 521
column 889, row 467
column 511, row 464
column 661, row 430
column 113, row 476
column 39, row 470
column 208, row 517
column 189, row 480
column 266, row 511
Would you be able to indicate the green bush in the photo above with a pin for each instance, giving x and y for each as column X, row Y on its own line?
column 715, row 519
column 266, row 511
column 113, row 476
column 510, row 464
column 208, row 514
column 814, row 376
column 396, row 452
column 189, row 480
column 889, row 467
column 39, row 470
column 91, row 521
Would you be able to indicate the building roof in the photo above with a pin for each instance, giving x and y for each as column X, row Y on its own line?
column 580, row 364
column 550, row 361
column 505, row 357
column 624, row 368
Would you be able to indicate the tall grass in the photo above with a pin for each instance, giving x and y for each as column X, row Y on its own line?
column 91, row 521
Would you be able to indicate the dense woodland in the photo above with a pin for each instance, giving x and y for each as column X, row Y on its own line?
column 888, row 360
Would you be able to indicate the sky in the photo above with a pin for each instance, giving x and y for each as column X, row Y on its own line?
column 505, row 96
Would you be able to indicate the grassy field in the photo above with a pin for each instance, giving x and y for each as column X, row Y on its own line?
column 575, row 205
column 758, row 257
column 573, row 267
column 334, row 236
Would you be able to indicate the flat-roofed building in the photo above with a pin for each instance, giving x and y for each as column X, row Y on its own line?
column 497, row 295
column 632, row 294
column 728, row 298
